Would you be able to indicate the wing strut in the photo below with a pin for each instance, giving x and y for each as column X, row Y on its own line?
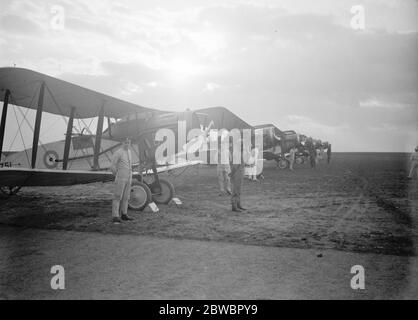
column 3, row 119
column 68, row 139
column 37, row 124
column 98, row 141
column 109, row 126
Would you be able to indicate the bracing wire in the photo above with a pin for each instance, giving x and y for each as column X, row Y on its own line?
column 85, row 125
column 59, row 108
column 91, row 121
column 30, row 126
column 13, row 102
column 17, row 132
column 21, row 136
column 49, row 129
column 56, row 103
column 28, row 123
column 70, row 163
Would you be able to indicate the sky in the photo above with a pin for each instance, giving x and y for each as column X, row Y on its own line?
column 315, row 67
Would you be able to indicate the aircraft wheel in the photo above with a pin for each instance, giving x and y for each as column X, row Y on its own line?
column 166, row 194
column 282, row 164
column 300, row 160
column 140, row 196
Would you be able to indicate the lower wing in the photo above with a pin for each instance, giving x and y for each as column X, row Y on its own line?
column 10, row 177
column 22, row 177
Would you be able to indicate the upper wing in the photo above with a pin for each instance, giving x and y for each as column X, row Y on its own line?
column 60, row 96
column 224, row 119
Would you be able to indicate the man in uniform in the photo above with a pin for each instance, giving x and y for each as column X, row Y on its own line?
column 122, row 169
column 312, row 154
column 237, row 177
column 223, row 169
column 329, row 153
column 414, row 164
column 291, row 157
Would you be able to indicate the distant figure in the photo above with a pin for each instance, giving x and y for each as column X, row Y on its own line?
column 329, row 154
column 122, row 169
column 223, row 168
column 312, row 154
column 291, row 157
column 321, row 153
column 414, row 164
column 277, row 149
column 237, row 178
column 251, row 164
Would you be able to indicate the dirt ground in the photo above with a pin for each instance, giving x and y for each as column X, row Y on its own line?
column 360, row 203
column 108, row 266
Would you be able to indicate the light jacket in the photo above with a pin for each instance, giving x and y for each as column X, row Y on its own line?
column 122, row 164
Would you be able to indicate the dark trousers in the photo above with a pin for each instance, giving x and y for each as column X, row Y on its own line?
column 313, row 161
column 237, row 178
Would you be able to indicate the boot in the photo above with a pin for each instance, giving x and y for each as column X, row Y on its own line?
column 115, row 209
column 125, row 217
column 240, row 207
column 235, row 206
column 116, row 220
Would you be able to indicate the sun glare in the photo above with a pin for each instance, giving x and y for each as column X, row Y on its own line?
column 181, row 71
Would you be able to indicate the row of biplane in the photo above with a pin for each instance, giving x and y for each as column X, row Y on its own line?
column 84, row 156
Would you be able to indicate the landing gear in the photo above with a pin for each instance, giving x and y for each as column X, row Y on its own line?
column 140, row 196
column 300, row 160
column 10, row 191
column 282, row 163
column 162, row 191
column 165, row 194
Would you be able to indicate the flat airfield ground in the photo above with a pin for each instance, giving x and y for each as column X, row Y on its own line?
column 360, row 207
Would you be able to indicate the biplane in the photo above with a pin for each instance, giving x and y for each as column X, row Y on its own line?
column 278, row 143
column 84, row 157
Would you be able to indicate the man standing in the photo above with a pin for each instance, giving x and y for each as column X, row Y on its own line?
column 223, row 169
column 329, row 153
column 252, row 163
column 414, row 164
column 291, row 157
column 122, row 169
column 312, row 153
column 237, row 177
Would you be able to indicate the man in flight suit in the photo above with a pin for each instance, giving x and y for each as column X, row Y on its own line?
column 329, row 154
column 291, row 157
column 414, row 164
column 237, row 177
column 223, row 169
column 312, row 153
column 122, row 169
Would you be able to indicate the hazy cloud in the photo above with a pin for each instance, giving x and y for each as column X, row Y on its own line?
column 16, row 24
column 296, row 63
